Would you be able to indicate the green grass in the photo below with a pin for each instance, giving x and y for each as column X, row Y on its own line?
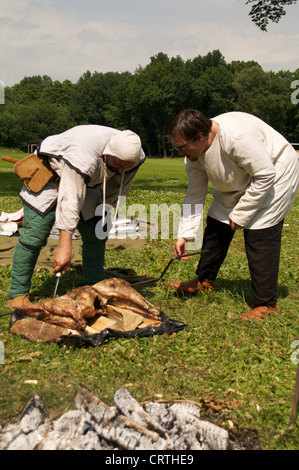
column 245, row 366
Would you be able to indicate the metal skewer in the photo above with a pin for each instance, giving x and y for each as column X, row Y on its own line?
column 58, row 275
column 156, row 279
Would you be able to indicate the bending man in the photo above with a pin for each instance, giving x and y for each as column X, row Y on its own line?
column 255, row 173
column 95, row 165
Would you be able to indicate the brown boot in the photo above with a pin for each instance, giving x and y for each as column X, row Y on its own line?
column 20, row 301
column 192, row 287
column 259, row 313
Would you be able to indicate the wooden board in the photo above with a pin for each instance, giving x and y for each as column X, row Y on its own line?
column 37, row 330
column 149, row 322
column 100, row 323
column 126, row 320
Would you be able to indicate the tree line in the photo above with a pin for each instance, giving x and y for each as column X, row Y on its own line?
column 146, row 101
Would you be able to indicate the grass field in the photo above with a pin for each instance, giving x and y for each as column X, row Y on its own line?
column 244, row 368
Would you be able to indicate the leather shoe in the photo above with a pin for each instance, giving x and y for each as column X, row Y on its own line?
column 20, row 301
column 194, row 286
column 259, row 313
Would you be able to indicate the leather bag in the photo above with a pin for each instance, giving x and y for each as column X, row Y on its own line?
column 35, row 172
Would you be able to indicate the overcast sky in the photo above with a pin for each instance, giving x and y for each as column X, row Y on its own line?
column 65, row 38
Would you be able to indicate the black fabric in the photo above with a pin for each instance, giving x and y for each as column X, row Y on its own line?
column 168, row 325
column 263, row 254
column 216, row 241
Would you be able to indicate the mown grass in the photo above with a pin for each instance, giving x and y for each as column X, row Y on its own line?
column 245, row 366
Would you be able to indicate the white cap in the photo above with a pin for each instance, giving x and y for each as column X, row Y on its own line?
column 125, row 145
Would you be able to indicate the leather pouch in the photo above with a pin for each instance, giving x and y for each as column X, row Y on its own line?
column 34, row 172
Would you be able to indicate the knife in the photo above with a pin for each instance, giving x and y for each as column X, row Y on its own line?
column 58, row 276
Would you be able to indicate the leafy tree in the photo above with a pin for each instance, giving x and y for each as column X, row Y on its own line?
column 21, row 125
column 58, row 93
column 157, row 92
column 147, row 100
column 264, row 94
column 29, row 89
column 211, row 84
column 116, row 109
column 238, row 65
column 97, row 95
column 263, row 11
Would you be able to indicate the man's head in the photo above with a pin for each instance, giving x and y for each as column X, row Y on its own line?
column 116, row 165
column 189, row 133
column 189, row 123
column 123, row 150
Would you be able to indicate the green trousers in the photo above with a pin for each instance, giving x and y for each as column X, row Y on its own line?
column 33, row 237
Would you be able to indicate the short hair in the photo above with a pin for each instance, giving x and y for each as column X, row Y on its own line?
column 189, row 123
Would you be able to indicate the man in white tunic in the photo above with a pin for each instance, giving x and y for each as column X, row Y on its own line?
column 94, row 164
column 255, row 173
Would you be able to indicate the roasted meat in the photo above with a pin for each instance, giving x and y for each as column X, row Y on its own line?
column 74, row 309
column 119, row 292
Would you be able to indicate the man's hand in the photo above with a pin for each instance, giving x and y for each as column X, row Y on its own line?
column 233, row 225
column 180, row 249
column 63, row 255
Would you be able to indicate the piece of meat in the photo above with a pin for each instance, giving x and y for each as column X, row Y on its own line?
column 119, row 292
column 62, row 306
column 87, row 299
column 70, row 310
column 42, row 314
column 73, row 309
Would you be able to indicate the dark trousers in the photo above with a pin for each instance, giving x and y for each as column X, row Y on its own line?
column 262, row 250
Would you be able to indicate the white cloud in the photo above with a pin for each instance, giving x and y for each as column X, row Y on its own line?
column 64, row 38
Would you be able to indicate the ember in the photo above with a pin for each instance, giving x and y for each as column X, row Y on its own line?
column 127, row 425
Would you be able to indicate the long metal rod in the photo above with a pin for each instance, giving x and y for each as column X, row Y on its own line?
column 11, row 312
column 58, row 276
column 156, row 279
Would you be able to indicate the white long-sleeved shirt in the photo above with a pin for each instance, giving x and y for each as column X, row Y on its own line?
column 254, row 172
column 76, row 156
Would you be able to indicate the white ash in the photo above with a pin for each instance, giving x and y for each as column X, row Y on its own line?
column 126, row 426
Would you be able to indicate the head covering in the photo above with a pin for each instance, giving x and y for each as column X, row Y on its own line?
column 125, row 145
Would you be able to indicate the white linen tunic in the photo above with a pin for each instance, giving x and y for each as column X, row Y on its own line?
column 254, row 172
column 75, row 155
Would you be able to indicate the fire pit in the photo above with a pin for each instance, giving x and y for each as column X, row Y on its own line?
column 127, row 425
